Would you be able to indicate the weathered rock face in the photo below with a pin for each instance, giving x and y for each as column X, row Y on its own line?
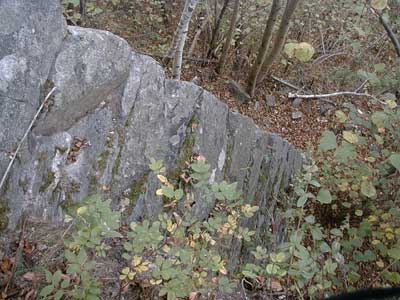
column 113, row 110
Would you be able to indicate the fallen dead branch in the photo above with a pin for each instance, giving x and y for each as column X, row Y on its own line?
column 286, row 83
column 346, row 93
column 24, row 137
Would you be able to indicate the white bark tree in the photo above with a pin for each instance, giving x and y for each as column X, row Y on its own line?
column 178, row 42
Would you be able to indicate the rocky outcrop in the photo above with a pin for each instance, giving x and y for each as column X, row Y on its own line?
column 113, row 110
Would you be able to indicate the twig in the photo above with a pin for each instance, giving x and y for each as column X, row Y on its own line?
column 361, row 86
column 325, row 57
column 286, row 83
column 24, row 137
column 292, row 95
column 18, row 254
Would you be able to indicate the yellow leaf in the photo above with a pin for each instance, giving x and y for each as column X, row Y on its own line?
column 372, row 219
column 142, row 269
column 122, row 277
column 391, row 103
column 375, row 242
column 171, row 226
column 389, row 236
column 380, row 264
column 131, row 275
column 159, row 192
column 81, row 210
column 223, row 271
column 350, row 137
column 166, row 248
column 162, row 178
column 379, row 4
column 155, row 282
column 136, row 260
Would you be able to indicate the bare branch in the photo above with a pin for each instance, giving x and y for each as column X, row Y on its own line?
column 346, row 93
column 3, row 180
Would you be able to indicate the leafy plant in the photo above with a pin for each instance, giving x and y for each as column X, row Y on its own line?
column 92, row 223
column 181, row 254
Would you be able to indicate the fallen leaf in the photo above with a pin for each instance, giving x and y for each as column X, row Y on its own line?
column 193, row 295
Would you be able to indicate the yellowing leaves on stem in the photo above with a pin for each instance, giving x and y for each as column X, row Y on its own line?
column 136, row 260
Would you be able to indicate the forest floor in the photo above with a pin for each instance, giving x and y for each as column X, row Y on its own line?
column 148, row 31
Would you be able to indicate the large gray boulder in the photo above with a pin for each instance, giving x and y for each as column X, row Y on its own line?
column 31, row 33
column 114, row 110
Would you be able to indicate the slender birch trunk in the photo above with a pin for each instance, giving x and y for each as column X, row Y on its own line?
column 178, row 43
column 281, row 35
column 263, row 51
column 229, row 37
column 216, row 28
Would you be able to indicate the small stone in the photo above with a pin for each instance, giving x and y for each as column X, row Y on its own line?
column 296, row 102
column 238, row 92
column 297, row 115
column 325, row 109
column 270, row 101
column 257, row 105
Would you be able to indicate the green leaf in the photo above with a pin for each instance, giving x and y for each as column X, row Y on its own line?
column 58, row 295
column 394, row 253
column 49, row 275
column 391, row 276
column 289, row 49
column 328, row 141
column 354, row 277
column 324, row 196
column 200, row 166
column 178, row 194
column 341, row 116
column 345, row 152
column 56, row 278
column 168, row 191
column 249, row 274
column 65, row 283
column 316, row 233
column 379, row 118
column 46, row 291
column 379, row 67
column 368, row 189
column 155, row 165
column 394, row 159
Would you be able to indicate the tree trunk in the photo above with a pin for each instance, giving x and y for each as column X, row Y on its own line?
column 82, row 8
column 176, row 50
column 390, row 34
column 281, row 35
column 262, row 52
column 216, row 29
column 229, row 36
column 197, row 35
